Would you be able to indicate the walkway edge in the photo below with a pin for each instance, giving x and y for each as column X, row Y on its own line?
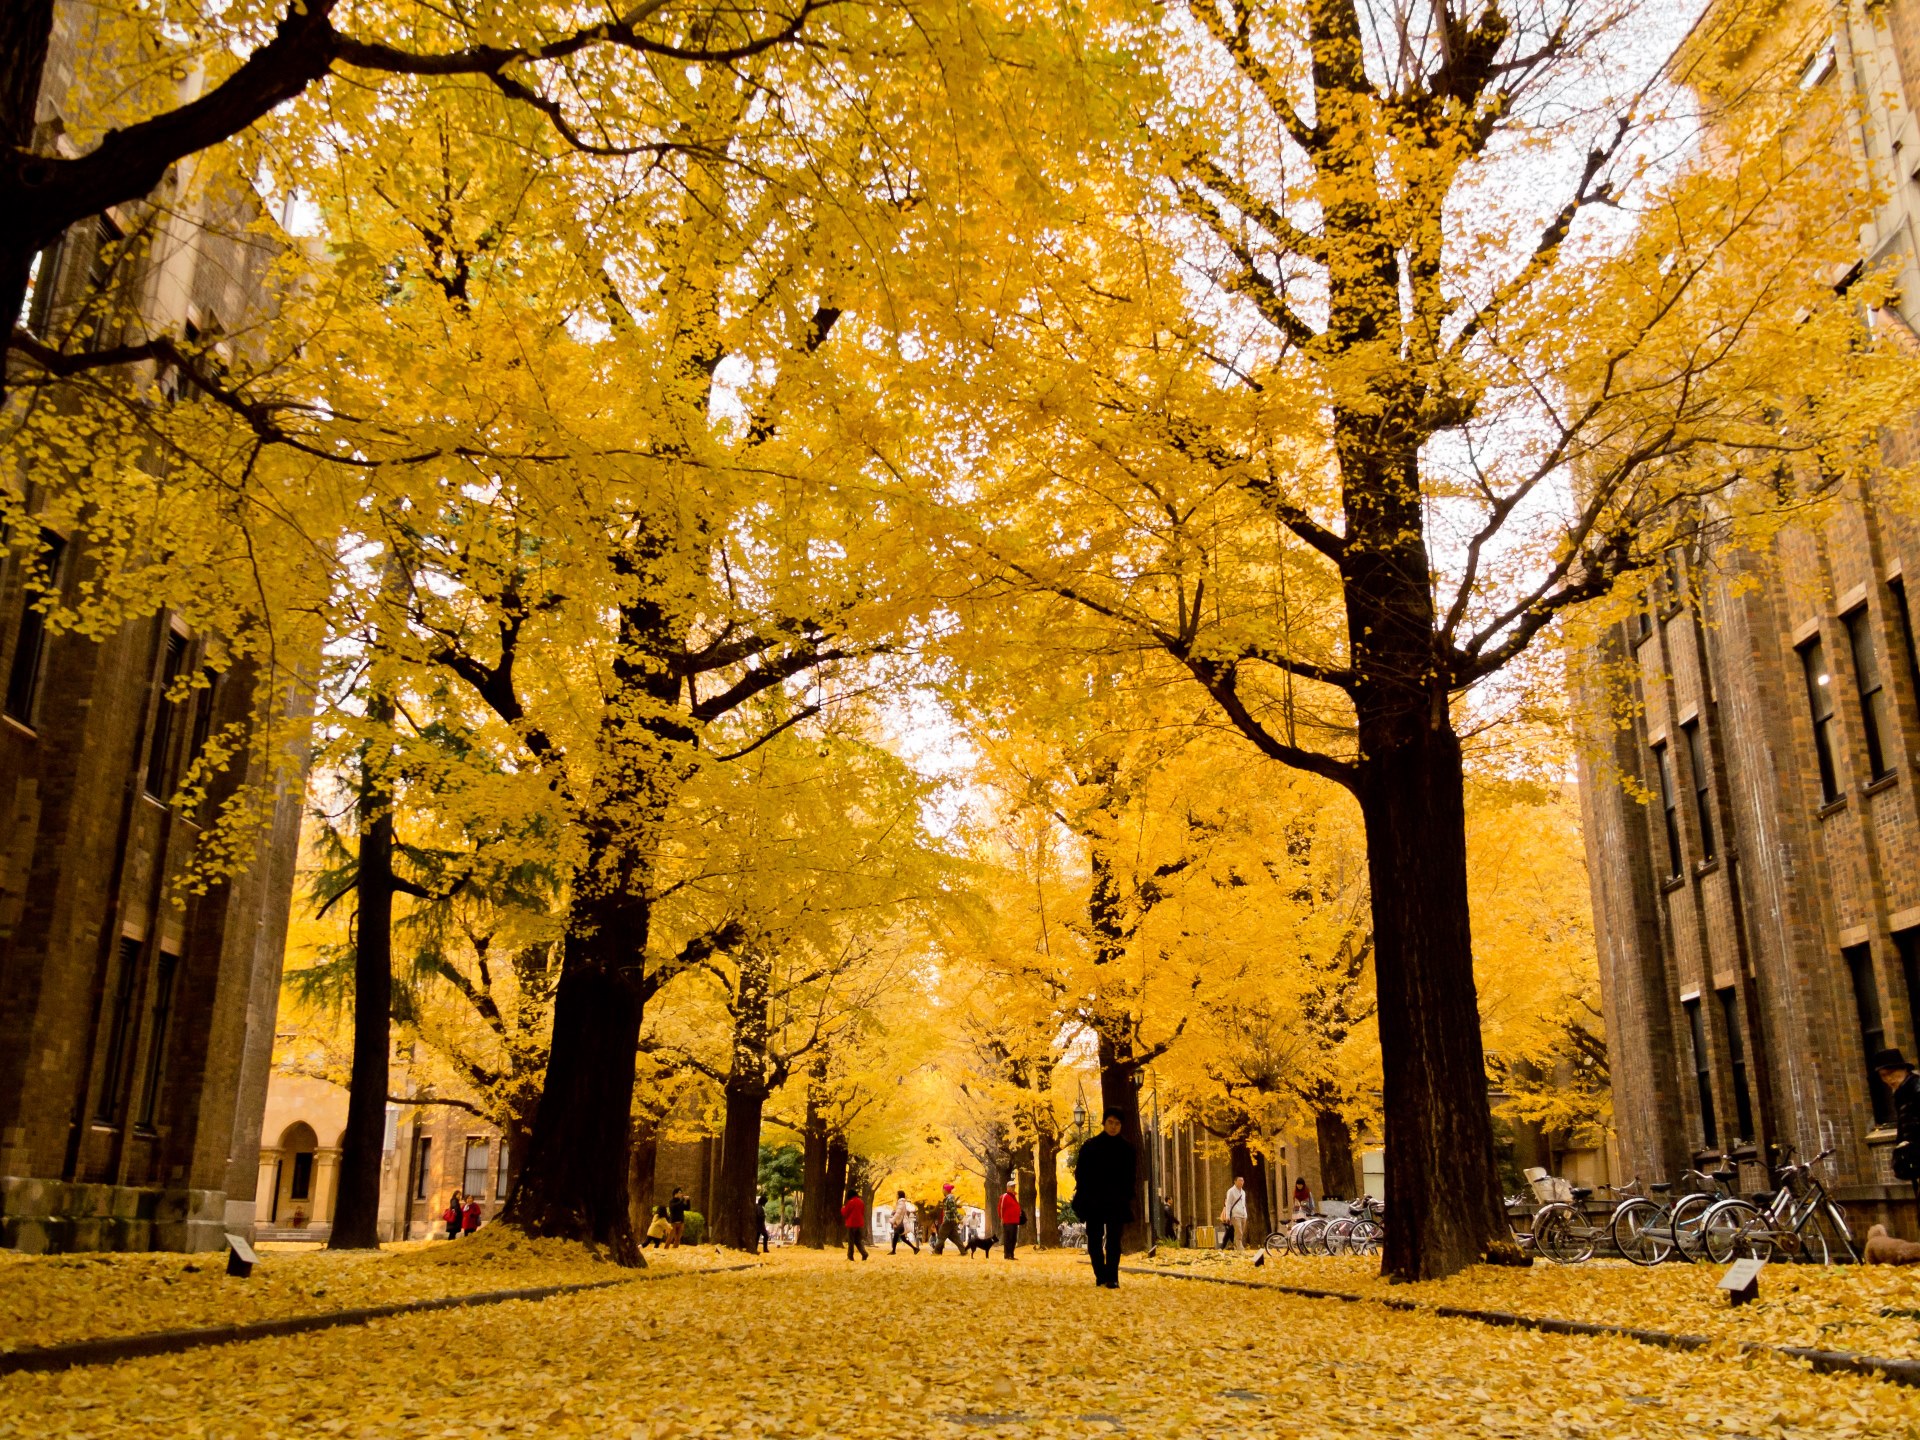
column 110, row 1348
column 1838, row 1362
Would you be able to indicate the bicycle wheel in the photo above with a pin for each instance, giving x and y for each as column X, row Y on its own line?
column 1310, row 1236
column 1276, row 1245
column 1724, row 1230
column 1339, row 1237
column 1561, row 1236
column 1841, row 1232
column 1684, row 1224
column 1641, row 1232
column 1366, row 1237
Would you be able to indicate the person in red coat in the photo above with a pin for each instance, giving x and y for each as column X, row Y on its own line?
column 1010, row 1217
column 853, row 1215
column 470, row 1219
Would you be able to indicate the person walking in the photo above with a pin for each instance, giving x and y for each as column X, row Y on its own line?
column 659, row 1231
column 763, row 1240
column 1103, row 1195
column 853, row 1215
column 470, row 1218
column 1010, row 1217
column 1233, row 1215
column 677, row 1207
column 454, row 1214
column 1899, row 1077
column 901, row 1213
column 949, row 1232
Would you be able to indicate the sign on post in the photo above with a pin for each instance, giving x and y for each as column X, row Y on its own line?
column 240, row 1257
column 1742, row 1280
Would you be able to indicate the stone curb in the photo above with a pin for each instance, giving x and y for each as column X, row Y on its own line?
column 1837, row 1362
column 173, row 1342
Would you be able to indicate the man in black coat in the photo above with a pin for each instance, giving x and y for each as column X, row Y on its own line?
column 1103, row 1196
column 1898, row 1076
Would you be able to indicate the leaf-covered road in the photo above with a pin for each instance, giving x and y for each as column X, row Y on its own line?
column 908, row 1347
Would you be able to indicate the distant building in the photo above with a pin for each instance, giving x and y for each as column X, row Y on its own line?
column 136, row 1018
column 1759, row 918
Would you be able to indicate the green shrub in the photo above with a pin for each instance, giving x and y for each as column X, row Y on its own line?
column 696, row 1230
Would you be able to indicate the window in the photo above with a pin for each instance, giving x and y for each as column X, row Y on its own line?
column 1907, row 942
column 300, row 1185
column 160, row 741
column 1873, row 692
column 1643, row 622
column 1702, row 1071
column 500, row 1176
column 1813, row 659
column 157, row 1037
column 107, row 253
column 119, row 1030
column 1702, row 789
column 423, row 1172
column 1737, row 1055
column 43, row 283
column 1897, row 587
column 30, row 646
column 476, row 1171
column 1669, row 806
column 1873, row 1029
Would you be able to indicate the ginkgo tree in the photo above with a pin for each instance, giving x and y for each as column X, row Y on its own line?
column 1334, row 381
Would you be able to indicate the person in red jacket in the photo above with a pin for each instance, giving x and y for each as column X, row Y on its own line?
column 853, row 1215
column 1010, row 1217
column 470, row 1218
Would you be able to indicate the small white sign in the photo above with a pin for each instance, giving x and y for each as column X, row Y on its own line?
column 1742, row 1273
column 238, row 1244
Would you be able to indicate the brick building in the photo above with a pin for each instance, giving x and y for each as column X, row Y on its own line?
column 136, row 1018
column 1758, row 917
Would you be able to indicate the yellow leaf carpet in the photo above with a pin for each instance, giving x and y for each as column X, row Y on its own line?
column 919, row 1346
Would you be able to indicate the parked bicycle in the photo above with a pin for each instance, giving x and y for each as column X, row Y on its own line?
column 1563, row 1232
column 1799, row 1221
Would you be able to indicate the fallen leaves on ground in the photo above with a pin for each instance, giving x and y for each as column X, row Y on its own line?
column 1822, row 1307
column 938, row 1348
column 50, row 1299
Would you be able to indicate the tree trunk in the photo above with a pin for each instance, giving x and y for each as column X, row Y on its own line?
column 814, row 1204
column 1443, row 1187
column 643, row 1156
column 1029, row 1193
column 1334, row 1139
column 1047, row 1146
column 1117, row 1091
column 356, row 1210
column 836, row 1183
column 1250, row 1165
column 574, row 1182
column 731, row 1222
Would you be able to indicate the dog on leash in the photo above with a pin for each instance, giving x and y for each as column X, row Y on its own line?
column 979, row 1245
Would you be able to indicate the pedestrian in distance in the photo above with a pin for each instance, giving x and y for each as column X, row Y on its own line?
column 902, row 1212
column 853, row 1215
column 949, row 1232
column 454, row 1215
column 763, row 1240
column 1011, row 1219
column 1233, row 1216
column 1302, row 1199
column 470, row 1218
column 1103, row 1195
column 677, row 1207
column 1899, row 1077
column 659, row 1230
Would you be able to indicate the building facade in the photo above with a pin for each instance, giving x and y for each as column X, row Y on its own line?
column 136, row 1012
column 1753, row 833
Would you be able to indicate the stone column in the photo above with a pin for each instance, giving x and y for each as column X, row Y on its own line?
column 326, row 1178
column 268, row 1182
